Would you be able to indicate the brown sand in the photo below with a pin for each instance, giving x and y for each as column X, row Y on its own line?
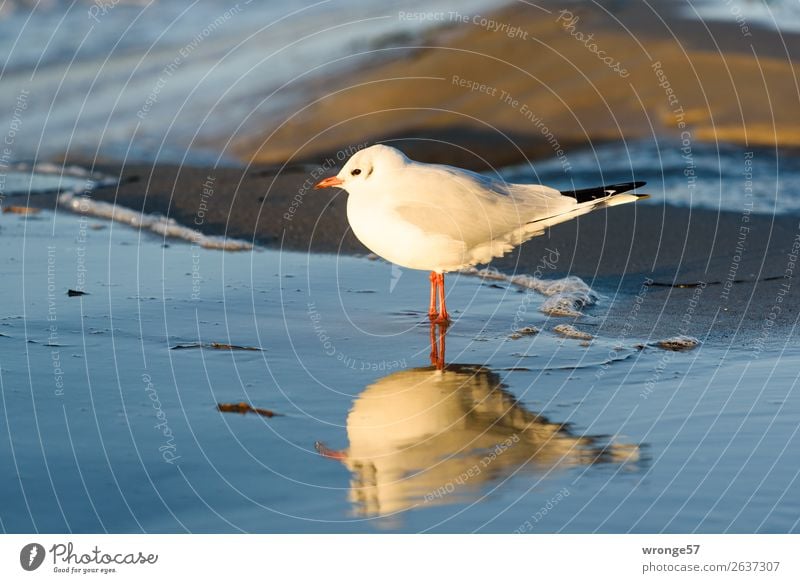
column 724, row 86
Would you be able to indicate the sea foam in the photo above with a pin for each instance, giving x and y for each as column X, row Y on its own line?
column 565, row 296
column 158, row 224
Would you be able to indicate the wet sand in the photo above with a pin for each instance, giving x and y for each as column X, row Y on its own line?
column 745, row 259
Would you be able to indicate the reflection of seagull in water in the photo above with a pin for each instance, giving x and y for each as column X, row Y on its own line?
column 435, row 434
column 439, row 218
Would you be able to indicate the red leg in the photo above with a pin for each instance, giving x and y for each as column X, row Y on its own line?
column 432, row 313
column 444, row 317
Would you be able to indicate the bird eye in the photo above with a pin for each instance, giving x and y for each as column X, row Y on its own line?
column 356, row 172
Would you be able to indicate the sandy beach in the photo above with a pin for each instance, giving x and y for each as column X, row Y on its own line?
column 531, row 81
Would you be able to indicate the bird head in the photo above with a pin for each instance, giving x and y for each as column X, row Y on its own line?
column 365, row 168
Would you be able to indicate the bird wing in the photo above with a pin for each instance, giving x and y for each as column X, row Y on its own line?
column 473, row 208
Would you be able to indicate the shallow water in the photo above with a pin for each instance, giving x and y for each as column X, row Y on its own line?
column 106, row 427
column 783, row 15
column 176, row 80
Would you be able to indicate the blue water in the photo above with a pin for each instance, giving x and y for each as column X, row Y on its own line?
column 783, row 15
column 166, row 80
column 105, row 427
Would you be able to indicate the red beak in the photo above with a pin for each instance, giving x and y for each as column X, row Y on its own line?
column 328, row 182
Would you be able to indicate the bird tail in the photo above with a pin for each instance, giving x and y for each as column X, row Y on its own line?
column 588, row 199
column 601, row 192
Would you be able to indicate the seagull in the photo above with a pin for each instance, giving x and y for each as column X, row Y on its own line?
column 441, row 219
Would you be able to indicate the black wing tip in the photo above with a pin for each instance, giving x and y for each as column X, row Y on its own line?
column 587, row 194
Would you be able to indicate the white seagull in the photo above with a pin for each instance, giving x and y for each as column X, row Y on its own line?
column 439, row 218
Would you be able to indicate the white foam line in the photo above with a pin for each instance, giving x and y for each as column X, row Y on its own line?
column 565, row 296
column 158, row 224
column 71, row 171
